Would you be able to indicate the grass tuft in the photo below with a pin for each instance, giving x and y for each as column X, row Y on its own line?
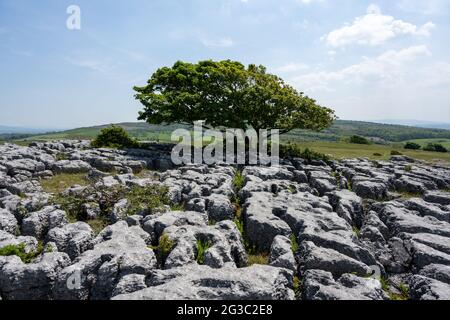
column 19, row 250
column 258, row 258
column 202, row 247
column 238, row 181
column 63, row 181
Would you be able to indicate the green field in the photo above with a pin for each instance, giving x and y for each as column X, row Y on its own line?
column 340, row 150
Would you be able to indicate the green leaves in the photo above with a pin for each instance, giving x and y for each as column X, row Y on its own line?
column 227, row 94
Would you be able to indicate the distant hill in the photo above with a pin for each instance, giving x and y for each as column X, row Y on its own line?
column 417, row 123
column 22, row 130
column 339, row 130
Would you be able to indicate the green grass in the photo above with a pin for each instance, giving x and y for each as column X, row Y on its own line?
column 98, row 224
column 238, row 181
column 356, row 231
column 202, row 247
column 341, row 150
column 297, row 286
column 61, row 182
column 409, row 195
column 19, row 250
column 258, row 258
column 294, row 243
column 402, row 296
column 146, row 199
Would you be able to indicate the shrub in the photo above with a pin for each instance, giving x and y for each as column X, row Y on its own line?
column 114, row 137
column 376, row 154
column 202, row 247
column 435, row 147
column 359, row 140
column 412, row 146
column 164, row 248
column 396, row 153
column 408, row 168
column 19, row 250
column 294, row 151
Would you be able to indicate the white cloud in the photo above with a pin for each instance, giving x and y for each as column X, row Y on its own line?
column 217, row 43
column 389, row 68
column 373, row 29
column 291, row 67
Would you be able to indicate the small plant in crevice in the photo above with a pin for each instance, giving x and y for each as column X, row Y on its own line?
column 238, row 181
column 350, row 185
column 292, row 189
column 408, row 168
column 163, row 249
column 297, row 286
column 294, row 244
column 202, row 247
column 356, row 231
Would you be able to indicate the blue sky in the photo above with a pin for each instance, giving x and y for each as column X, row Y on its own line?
column 367, row 60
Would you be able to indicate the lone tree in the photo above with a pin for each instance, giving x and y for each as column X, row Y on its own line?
column 226, row 94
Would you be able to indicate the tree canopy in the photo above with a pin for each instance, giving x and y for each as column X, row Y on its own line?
column 227, row 94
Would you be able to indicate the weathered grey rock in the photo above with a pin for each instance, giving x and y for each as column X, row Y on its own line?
column 119, row 251
column 119, row 211
column 261, row 225
column 320, row 285
column 438, row 272
column 73, row 238
column 92, row 210
column 222, row 242
column 196, row 204
column 38, row 223
column 219, row 208
column 425, row 255
column 423, row 288
column 399, row 219
column 19, row 281
column 269, row 173
column 322, row 181
column 314, row 257
column 129, row 283
column 156, row 224
column 194, row 282
column 370, row 189
column 439, row 197
column 281, row 254
column 71, row 166
column 8, row 222
column 348, row 206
